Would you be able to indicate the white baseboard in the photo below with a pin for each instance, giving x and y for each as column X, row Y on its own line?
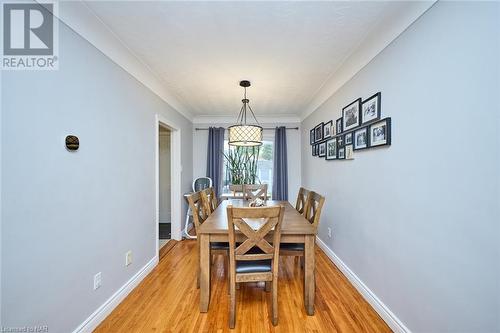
column 105, row 309
column 387, row 315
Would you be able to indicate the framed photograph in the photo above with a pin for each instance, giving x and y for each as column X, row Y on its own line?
column 311, row 136
column 341, row 154
column 322, row 149
column 331, row 149
column 328, row 130
column 380, row 133
column 350, row 115
column 340, row 141
column 313, row 150
column 318, row 132
column 349, row 152
column 361, row 138
column 348, row 138
column 370, row 109
column 338, row 126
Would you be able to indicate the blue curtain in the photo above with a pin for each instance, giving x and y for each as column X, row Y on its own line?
column 215, row 157
column 280, row 172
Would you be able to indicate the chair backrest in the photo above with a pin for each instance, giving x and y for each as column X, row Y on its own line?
column 199, row 212
column 254, row 191
column 209, row 199
column 313, row 207
column 267, row 219
column 202, row 183
column 300, row 205
column 236, row 189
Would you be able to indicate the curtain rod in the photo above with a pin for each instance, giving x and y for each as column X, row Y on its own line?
column 265, row 128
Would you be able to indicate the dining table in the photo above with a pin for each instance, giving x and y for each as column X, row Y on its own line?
column 294, row 229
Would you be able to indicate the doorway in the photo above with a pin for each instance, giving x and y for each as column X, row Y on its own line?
column 165, row 186
column 168, row 172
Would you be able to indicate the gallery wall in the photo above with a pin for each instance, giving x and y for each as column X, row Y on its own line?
column 69, row 215
column 418, row 222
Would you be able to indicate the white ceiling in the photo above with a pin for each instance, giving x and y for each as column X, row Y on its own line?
column 289, row 50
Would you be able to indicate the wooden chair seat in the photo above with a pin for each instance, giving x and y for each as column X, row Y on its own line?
column 255, row 266
column 292, row 246
column 219, row 246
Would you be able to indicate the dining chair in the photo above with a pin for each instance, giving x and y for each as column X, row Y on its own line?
column 255, row 191
column 300, row 205
column 255, row 259
column 312, row 212
column 236, row 189
column 200, row 214
column 209, row 199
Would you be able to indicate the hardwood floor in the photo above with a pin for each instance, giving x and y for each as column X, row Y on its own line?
column 167, row 301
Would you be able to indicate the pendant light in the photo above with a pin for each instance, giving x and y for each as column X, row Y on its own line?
column 243, row 134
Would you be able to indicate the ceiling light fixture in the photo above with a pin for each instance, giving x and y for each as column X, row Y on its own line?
column 243, row 134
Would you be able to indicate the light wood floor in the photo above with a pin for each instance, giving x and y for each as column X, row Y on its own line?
column 167, row 301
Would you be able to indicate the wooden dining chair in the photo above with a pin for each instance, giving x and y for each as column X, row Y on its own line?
column 209, row 199
column 200, row 214
column 255, row 259
column 312, row 213
column 300, row 205
column 255, row 191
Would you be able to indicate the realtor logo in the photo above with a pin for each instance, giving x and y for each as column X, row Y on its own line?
column 29, row 36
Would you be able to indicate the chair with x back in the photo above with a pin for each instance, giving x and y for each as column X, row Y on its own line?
column 200, row 214
column 255, row 191
column 300, row 205
column 255, row 259
column 312, row 212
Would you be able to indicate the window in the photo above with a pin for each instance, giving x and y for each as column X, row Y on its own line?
column 264, row 166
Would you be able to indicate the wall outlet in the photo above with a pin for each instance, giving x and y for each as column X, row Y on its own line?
column 128, row 258
column 329, row 232
column 97, row 280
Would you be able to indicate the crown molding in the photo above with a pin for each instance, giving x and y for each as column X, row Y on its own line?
column 402, row 16
column 83, row 21
column 231, row 119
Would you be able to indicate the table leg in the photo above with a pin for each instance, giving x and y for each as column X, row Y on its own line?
column 204, row 240
column 309, row 276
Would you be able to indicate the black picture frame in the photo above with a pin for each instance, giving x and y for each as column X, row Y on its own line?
column 313, row 151
column 348, row 138
column 318, row 132
column 351, row 115
column 341, row 153
column 331, row 149
column 320, row 152
column 384, row 129
column 327, row 130
column 311, row 137
column 371, row 109
column 338, row 125
column 358, row 144
column 340, row 141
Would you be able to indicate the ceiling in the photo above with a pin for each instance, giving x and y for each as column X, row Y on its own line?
column 201, row 50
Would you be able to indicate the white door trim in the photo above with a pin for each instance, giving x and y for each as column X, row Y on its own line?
column 175, row 175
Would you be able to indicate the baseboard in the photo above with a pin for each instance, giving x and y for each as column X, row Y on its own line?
column 105, row 309
column 387, row 315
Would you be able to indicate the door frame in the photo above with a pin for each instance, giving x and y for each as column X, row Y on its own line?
column 175, row 178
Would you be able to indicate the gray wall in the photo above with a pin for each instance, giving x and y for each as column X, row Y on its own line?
column 67, row 216
column 419, row 222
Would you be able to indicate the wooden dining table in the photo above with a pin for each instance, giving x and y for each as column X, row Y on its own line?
column 295, row 229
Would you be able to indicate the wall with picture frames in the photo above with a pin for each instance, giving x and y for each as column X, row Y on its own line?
column 360, row 127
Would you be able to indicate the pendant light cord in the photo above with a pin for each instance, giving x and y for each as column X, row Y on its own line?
column 243, row 112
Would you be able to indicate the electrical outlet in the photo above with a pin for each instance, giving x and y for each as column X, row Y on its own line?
column 97, row 280
column 128, row 258
column 329, row 232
